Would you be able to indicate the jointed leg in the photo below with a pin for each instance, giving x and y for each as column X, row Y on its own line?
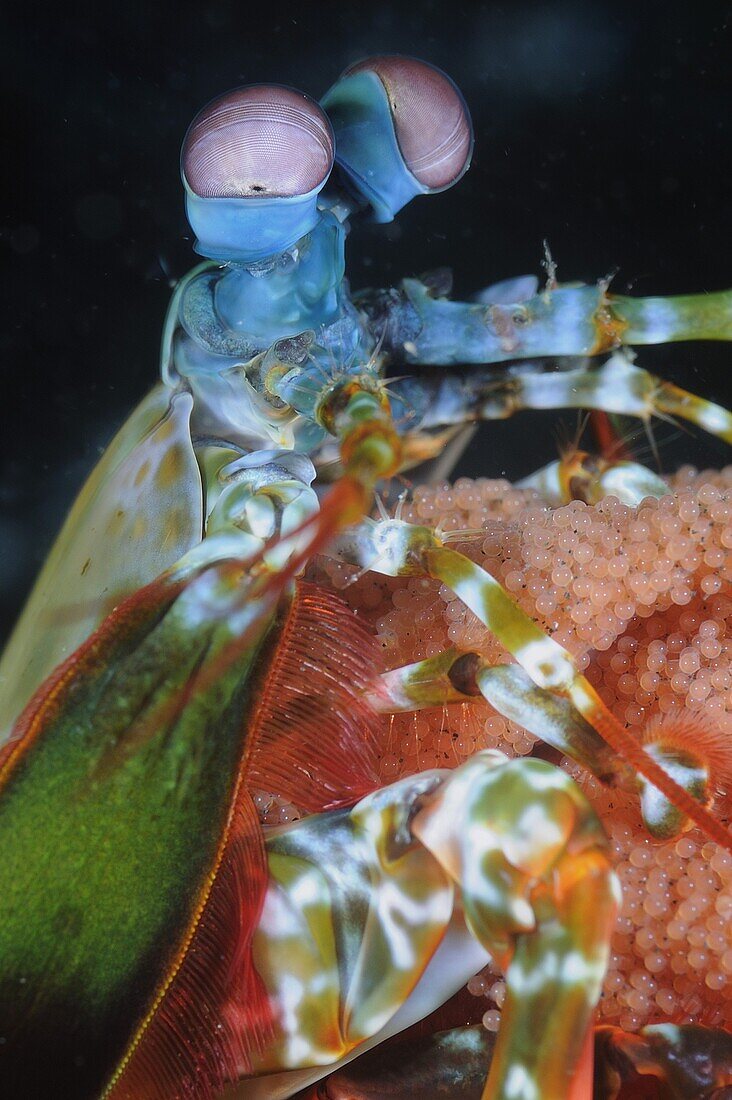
column 395, row 548
column 342, row 948
column 614, row 386
column 419, row 327
column 539, row 893
column 456, row 677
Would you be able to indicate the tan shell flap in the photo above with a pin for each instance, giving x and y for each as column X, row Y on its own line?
column 140, row 510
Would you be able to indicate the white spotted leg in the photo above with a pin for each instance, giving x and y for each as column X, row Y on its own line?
column 539, row 893
column 671, row 790
column 454, row 676
column 616, row 385
column 375, row 916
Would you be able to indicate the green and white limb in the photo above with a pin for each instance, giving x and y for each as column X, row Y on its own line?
column 613, row 386
column 421, row 327
column 265, row 495
column 501, row 858
column 672, row 789
column 456, row 677
column 459, row 677
column 585, row 477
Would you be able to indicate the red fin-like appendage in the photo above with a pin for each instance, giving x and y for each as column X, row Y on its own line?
column 316, row 741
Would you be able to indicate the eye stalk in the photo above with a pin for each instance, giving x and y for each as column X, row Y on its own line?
column 402, row 129
column 253, row 162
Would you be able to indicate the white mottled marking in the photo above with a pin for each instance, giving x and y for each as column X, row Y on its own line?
column 520, row 1085
column 548, row 665
column 534, row 821
column 308, row 890
column 714, row 419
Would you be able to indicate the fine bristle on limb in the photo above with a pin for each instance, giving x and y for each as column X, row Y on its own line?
column 214, row 1011
column 700, row 738
column 316, row 740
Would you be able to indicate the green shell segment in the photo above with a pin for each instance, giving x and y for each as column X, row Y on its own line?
column 110, row 822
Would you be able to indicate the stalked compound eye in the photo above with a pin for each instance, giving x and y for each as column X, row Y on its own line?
column 431, row 121
column 253, row 162
column 402, row 129
column 263, row 140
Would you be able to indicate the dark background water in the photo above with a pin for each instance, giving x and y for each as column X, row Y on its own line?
column 602, row 127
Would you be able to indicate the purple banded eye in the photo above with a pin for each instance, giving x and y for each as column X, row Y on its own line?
column 260, row 141
column 431, row 121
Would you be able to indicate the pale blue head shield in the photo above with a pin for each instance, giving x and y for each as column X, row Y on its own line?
column 253, row 163
column 401, row 129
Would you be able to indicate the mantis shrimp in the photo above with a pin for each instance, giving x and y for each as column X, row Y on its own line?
column 156, row 940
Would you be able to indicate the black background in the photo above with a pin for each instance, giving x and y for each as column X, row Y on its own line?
column 602, row 127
